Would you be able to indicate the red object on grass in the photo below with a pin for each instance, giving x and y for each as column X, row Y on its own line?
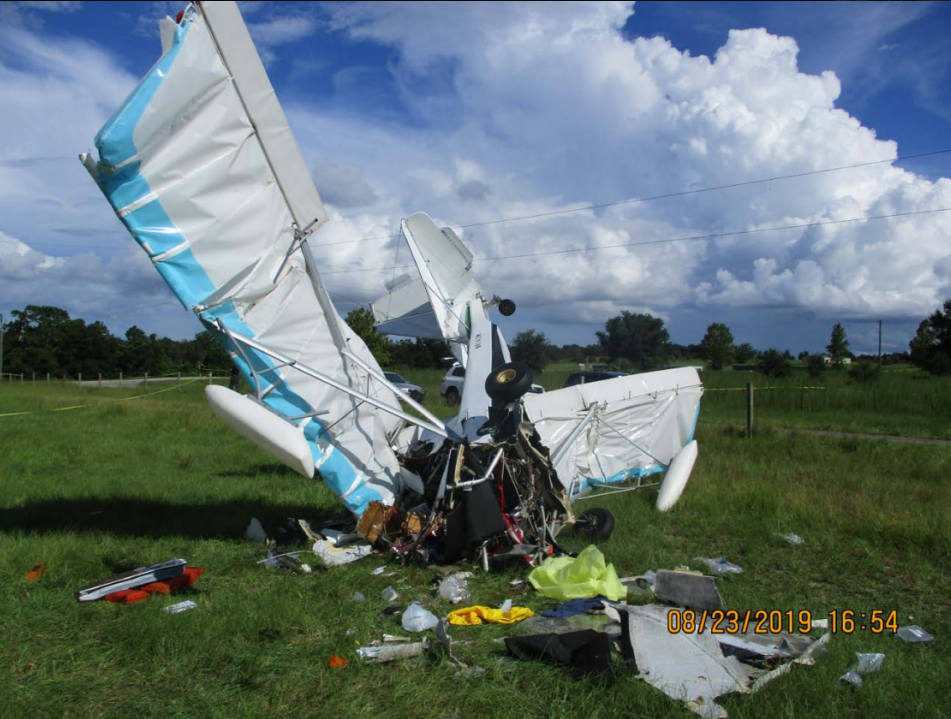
column 35, row 573
column 337, row 662
column 131, row 596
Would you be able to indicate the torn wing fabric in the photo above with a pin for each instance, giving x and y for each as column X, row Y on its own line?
column 201, row 167
column 436, row 298
column 638, row 425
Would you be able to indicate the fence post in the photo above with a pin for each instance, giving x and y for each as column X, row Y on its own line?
column 47, row 379
column 146, row 379
column 749, row 409
column 100, row 380
column 21, row 378
column 79, row 382
column 178, row 385
column 120, row 380
column 209, row 377
column 34, row 379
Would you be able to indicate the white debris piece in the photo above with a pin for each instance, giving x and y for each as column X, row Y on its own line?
column 180, row 607
column 255, row 532
column 686, row 667
column 914, row 633
column 417, row 619
column 719, row 565
column 335, row 556
column 868, row 663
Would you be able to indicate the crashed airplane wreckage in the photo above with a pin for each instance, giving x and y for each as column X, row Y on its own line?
column 200, row 165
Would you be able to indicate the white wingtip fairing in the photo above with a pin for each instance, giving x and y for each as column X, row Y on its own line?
column 272, row 433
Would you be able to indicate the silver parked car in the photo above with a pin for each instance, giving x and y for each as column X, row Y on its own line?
column 414, row 391
column 451, row 386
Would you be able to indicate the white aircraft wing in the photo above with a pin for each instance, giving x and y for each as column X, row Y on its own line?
column 200, row 165
column 617, row 430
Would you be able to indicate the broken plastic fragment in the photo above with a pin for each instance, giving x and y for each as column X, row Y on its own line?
column 867, row 664
column 37, row 571
column 334, row 556
column 585, row 576
column 180, row 607
column 692, row 591
column 378, row 571
column 255, row 532
column 455, row 589
column 791, row 538
column 417, row 619
column 390, row 595
column 359, row 597
column 337, row 662
column 914, row 633
column 720, row 565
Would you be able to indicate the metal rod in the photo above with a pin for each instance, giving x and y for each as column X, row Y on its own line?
column 254, row 375
column 631, row 442
column 575, row 433
column 402, row 395
column 487, row 476
column 310, row 372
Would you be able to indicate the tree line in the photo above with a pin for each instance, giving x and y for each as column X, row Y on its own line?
column 45, row 339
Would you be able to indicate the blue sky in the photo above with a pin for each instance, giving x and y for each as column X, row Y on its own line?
column 473, row 112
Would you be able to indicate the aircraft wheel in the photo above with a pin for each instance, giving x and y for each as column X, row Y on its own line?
column 509, row 382
column 596, row 523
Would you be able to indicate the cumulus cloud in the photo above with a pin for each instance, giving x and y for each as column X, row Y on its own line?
column 542, row 108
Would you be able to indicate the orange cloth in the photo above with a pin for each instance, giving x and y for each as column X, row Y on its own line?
column 131, row 596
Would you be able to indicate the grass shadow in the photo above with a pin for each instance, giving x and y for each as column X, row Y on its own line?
column 133, row 517
column 260, row 470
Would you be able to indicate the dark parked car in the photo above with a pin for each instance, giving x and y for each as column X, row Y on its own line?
column 588, row 377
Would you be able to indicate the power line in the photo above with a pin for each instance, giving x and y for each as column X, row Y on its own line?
column 689, row 238
column 651, row 198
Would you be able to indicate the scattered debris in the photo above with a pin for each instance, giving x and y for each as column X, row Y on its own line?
column 866, row 664
column 167, row 586
column 390, row 652
column 35, row 572
column 820, row 623
column 392, row 638
column 455, row 588
column 793, row 539
column 687, row 667
column 643, row 581
column 807, row 657
column 684, row 589
column 307, row 530
column 337, row 662
column 390, row 595
column 719, row 565
column 585, row 651
column 255, row 532
column 185, row 606
column 131, row 579
column 470, row 673
column 359, row 597
column 334, row 556
column 473, row 616
column 417, row 619
column 587, row 575
column 378, row 571
column 442, row 634
column 574, row 607
column 914, row 633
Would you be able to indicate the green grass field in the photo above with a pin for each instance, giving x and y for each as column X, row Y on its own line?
column 89, row 492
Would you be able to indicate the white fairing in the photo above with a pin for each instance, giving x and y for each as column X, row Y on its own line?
column 272, row 433
column 639, row 424
column 676, row 478
column 432, row 304
column 201, row 166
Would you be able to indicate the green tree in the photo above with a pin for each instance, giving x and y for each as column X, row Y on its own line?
column 360, row 320
column 931, row 346
column 717, row 345
column 866, row 371
column 532, row 348
column 774, row 363
column 815, row 366
column 638, row 338
column 745, row 353
column 838, row 347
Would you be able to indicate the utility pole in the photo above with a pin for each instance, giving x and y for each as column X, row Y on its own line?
column 879, row 342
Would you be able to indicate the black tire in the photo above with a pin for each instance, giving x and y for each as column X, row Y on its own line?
column 509, row 382
column 452, row 396
column 507, row 308
column 596, row 523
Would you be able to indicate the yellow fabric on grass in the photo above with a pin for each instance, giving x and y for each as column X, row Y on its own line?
column 471, row 616
column 577, row 578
